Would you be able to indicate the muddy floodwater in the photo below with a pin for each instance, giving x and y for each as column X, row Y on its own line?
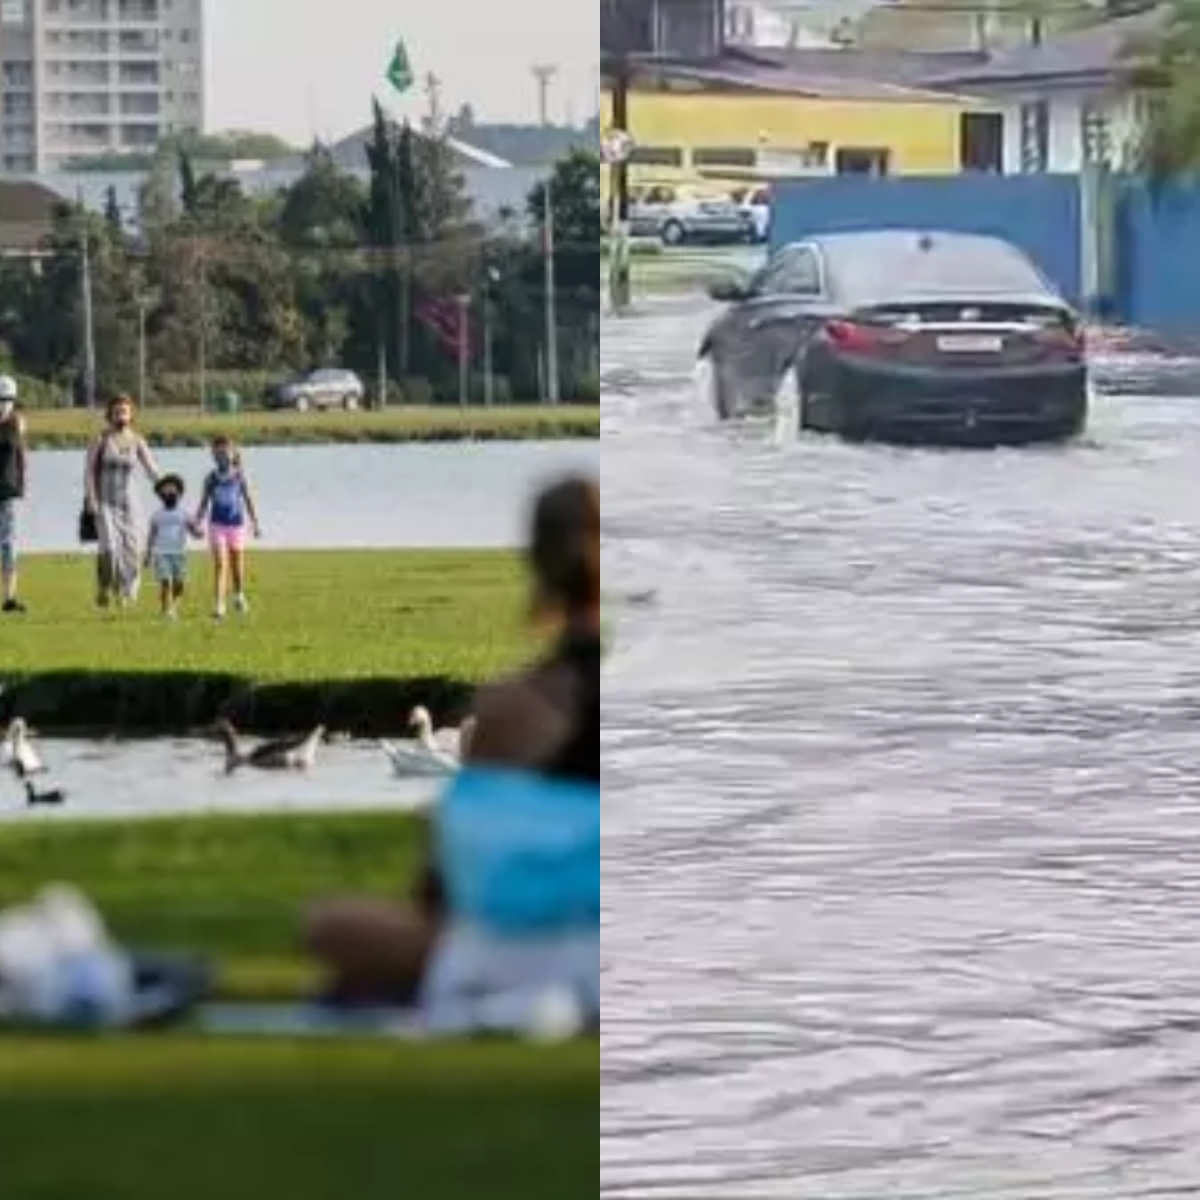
column 901, row 858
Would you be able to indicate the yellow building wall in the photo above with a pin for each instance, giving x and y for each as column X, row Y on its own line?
column 921, row 136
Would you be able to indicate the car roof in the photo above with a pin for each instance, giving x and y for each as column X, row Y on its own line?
column 876, row 266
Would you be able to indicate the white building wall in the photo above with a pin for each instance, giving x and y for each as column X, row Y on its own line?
column 1066, row 138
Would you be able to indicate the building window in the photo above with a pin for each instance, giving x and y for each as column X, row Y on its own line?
column 981, row 142
column 858, row 160
column 1035, row 137
column 656, row 156
column 689, row 28
column 725, row 156
column 1096, row 134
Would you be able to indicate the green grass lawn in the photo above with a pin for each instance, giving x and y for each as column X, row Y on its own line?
column 365, row 629
column 175, row 1115
column 230, row 887
column 70, row 428
column 688, row 270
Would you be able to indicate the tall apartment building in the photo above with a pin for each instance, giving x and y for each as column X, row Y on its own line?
column 82, row 78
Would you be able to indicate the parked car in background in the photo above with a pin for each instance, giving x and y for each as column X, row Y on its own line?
column 679, row 215
column 329, row 387
column 755, row 207
column 903, row 336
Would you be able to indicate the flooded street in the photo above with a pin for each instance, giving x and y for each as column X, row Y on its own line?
column 902, row 833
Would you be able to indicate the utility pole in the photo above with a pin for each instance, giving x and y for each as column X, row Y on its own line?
column 433, row 90
column 89, row 317
column 621, row 283
column 544, row 75
column 625, row 34
column 553, row 395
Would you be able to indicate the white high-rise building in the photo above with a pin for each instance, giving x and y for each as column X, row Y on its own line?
column 83, row 78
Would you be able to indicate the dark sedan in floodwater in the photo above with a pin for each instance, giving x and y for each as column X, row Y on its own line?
column 903, row 336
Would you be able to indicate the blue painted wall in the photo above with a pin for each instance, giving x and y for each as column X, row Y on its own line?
column 1156, row 251
column 1039, row 213
column 1158, row 255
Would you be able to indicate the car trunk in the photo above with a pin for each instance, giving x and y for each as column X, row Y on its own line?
column 969, row 336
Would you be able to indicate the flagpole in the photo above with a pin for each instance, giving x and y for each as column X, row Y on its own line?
column 552, row 369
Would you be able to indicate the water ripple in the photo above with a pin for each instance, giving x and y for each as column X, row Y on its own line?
column 901, row 854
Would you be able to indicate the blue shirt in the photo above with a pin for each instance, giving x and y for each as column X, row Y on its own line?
column 227, row 498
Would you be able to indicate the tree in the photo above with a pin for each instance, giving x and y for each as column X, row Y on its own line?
column 575, row 191
column 328, row 270
column 1166, row 68
column 112, row 212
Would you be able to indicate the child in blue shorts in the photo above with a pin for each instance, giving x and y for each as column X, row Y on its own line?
column 167, row 545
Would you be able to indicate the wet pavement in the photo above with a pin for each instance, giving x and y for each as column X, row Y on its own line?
column 901, row 853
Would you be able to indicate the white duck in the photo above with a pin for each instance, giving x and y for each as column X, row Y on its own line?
column 431, row 752
column 279, row 754
column 21, row 754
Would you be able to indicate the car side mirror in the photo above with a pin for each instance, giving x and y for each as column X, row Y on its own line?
column 729, row 291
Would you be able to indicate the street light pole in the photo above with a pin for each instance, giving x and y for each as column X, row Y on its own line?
column 620, row 286
column 464, row 350
column 553, row 384
column 489, row 370
column 89, row 318
column 142, row 356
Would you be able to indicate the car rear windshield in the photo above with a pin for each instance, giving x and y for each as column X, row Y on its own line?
column 878, row 268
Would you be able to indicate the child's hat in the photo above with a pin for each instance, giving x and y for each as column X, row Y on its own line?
column 169, row 483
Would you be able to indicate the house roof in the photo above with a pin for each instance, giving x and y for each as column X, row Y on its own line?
column 350, row 154
column 907, row 67
column 785, row 73
column 26, row 213
column 1100, row 51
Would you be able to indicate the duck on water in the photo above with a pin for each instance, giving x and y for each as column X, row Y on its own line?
column 276, row 754
column 431, row 751
column 27, row 765
column 20, row 752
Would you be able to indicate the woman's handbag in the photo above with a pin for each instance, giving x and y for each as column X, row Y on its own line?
column 89, row 532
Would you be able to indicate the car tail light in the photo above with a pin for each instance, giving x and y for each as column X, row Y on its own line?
column 1064, row 342
column 857, row 338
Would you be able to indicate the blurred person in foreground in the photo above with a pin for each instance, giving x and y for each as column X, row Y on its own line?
column 14, row 472
column 508, row 899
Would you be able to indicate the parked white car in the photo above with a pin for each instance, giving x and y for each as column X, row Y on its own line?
column 755, row 207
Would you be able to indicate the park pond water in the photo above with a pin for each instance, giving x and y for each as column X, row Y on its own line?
column 901, row 856
column 463, row 495
column 186, row 776
column 466, row 494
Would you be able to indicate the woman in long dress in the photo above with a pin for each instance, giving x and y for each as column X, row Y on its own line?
column 113, row 461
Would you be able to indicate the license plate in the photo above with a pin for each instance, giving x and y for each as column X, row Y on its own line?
column 967, row 343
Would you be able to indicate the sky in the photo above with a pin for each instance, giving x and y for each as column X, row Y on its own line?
column 310, row 67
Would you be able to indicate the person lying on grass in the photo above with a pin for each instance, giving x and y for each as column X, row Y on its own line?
column 544, row 722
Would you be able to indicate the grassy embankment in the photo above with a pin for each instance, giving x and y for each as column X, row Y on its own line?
column 655, row 268
column 63, row 429
column 138, row 1118
column 353, row 638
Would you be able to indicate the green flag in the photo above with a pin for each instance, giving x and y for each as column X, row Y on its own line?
column 400, row 72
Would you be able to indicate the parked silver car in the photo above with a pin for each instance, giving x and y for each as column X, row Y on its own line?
column 330, row 387
column 679, row 215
